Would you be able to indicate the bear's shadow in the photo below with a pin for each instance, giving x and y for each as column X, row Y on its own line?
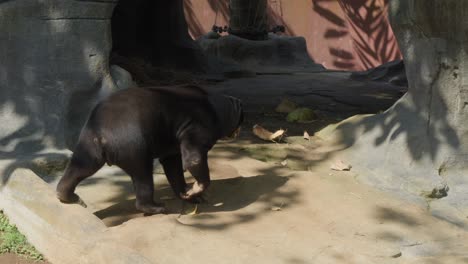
column 224, row 195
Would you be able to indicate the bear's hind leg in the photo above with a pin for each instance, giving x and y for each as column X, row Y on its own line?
column 141, row 172
column 85, row 161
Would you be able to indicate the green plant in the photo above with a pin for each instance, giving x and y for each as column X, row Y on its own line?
column 12, row 241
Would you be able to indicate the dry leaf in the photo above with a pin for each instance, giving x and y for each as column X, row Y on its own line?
column 277, row 208
column 195, row 211
column 218, row 204
column 339, row 165
column 284, row 162
column 306, row 135
column 277, row 134
column 264, row 134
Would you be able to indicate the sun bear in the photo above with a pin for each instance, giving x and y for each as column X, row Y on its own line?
column 132, row 127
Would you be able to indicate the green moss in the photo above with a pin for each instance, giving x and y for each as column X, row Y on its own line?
column 301, row 115
column 49, row 166
column 12, row 241
column 266, row 153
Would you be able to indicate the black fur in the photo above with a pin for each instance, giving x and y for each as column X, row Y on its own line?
column 178, row 125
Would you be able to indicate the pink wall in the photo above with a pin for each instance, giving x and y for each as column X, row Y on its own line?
column 340, row 34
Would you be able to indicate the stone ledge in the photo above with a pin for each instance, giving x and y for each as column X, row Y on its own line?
column 63, row 233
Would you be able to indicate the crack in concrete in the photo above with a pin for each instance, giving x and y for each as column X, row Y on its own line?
column 431, row 95
column 413, row 244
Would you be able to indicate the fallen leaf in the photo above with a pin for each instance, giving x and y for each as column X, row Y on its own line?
column 218, row 204
column 306, row 135
column 195, row 211
column 191, row 210
column 264, row 134
column 339, row 165
column 284, row 162
column 277, row 208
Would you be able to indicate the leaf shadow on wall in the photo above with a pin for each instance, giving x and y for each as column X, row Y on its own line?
column 366, row 23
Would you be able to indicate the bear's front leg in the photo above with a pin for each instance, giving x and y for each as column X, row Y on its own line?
column 195, row 160
column 194, row 191
column 174, row 171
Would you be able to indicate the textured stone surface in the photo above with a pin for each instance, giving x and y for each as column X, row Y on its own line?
column 122, row 78
column 421, row 141
column 278, row 53
column 55, row 62
column 392, row 72
column 352, row 223
column 54, row 67
column 63, row 233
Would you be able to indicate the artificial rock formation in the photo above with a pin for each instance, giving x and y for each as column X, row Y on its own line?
column 420, row 145
column 54, row 66
column 275, row 54
column 54, row 61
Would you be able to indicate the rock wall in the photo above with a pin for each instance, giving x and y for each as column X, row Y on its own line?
column 54, row 62
column 54, row 66
column 420, row 145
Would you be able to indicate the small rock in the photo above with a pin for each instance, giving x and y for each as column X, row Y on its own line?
column 440, row 191
column 306, row 135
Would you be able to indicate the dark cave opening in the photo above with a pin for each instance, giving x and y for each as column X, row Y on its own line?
column 150, row 39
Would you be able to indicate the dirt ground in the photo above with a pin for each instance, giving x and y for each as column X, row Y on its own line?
column 260, row 210
column 265, row 213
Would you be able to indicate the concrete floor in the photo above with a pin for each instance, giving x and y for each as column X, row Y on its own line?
column 255, row 211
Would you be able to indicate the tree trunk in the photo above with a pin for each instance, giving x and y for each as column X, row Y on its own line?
column 420, row 145
column 155, row 31
column 248, row 19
